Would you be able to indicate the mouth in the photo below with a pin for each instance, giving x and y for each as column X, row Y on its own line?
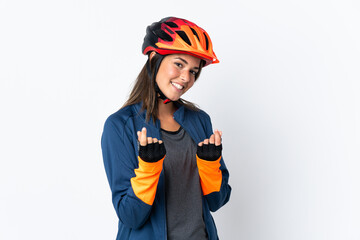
column 177, row 86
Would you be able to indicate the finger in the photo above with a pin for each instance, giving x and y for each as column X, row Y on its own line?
column 160, row 141
column 217, row 138
column 149, row 140
column 206, row 141
column 200, row 144
column 143, row 137
column 155, row 140
column 212, row 139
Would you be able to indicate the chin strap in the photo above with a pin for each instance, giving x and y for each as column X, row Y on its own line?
column 157, row 89
column 162, row 95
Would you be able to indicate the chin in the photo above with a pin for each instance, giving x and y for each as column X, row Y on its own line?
column 173, row 98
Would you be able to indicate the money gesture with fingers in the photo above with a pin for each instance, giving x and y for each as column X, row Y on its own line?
column 210, row 149
column 151, row 149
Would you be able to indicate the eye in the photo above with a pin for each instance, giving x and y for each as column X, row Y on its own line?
column 193, row 72
column 178, row 64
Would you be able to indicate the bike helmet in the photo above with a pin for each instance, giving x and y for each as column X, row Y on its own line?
column 175, row 35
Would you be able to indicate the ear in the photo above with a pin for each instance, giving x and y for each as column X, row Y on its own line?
column 152, row 54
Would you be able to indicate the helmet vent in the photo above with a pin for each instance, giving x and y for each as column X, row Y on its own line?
column 163, row 35
column 169, row 30
column 207, row 42
column 171, row 24
column 195, row 33
column 182, row 34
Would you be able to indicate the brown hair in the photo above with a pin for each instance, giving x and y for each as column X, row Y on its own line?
column 144, row 90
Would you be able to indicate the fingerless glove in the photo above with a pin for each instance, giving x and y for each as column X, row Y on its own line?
column 152, row 152
column 209, row 152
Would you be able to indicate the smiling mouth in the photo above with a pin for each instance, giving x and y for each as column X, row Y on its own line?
column 178, row 86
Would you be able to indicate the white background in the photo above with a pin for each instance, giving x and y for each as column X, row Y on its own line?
column 285, row 94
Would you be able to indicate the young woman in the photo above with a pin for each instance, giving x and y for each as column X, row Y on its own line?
column 162, row 159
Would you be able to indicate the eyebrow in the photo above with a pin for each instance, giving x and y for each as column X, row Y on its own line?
column 186, row 62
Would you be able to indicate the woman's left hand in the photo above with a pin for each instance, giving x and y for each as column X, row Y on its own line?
column 210, row 149
column 214, row 139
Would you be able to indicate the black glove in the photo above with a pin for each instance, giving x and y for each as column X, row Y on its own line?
column 152, row 152
column 209, row 152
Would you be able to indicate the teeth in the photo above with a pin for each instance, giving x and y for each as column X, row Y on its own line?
column 178, row 86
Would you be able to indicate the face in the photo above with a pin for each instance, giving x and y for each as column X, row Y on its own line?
column 176, row 74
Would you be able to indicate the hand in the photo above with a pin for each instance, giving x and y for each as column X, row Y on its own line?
column 214, row 139
column 210, row 149
column 143, row 140
column 151, row 150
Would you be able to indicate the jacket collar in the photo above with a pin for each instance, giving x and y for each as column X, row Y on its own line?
column 179, row 114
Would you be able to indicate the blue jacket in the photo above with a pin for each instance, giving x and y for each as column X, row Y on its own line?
column 138, row 220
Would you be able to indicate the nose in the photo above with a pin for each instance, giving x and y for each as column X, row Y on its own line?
column 185, row 76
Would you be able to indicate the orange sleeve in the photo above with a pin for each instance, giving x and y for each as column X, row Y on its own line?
column 146, row 180
column 210, row 175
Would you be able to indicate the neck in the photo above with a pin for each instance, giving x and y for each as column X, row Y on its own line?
column 165, row 109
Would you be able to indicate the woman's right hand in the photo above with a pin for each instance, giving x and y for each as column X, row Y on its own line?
column 151, row 150
column 143, row 140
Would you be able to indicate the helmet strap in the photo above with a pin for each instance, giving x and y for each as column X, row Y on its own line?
column 157, row 89
column 161, row 94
